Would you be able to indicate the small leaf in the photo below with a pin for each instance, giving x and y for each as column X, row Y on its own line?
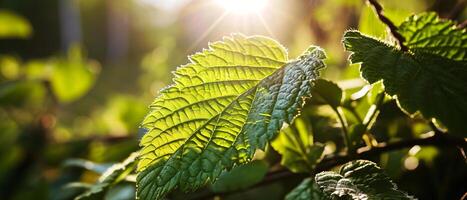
column 13, row 25
column 360, row 179
column 241, row 177
column 230, row 100
column 307, row 190
column 295, row 144
column 328, row 92
column 423, row 82
column 429, row 34
column 111, row 176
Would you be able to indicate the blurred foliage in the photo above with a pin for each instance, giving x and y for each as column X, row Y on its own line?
column 74, row 88
column 14, row 26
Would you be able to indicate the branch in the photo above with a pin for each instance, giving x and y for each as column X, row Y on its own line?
column 438, row 140
column 379, row 11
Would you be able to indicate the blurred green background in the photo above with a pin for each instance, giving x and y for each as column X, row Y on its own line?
column 76, row 77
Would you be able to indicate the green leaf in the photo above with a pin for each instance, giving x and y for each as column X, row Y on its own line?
column 14, row 26
column 241, row 177
column 328, row 92
column 228, row 101
column 429, row 34
column 111, row 176
column 360, row 179
column 73, row 76
column 428, row 83
column 295, row 144
column 307, row 190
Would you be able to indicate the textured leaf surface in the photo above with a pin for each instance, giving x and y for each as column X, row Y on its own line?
column 305, row 191
column 427, row 33
column 295, row 144
column 230, row 100
column 360, row 179
column 428, row 83
column 112, row 176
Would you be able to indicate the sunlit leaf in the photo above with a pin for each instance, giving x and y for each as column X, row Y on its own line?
column 112, row 176
column 429, row 34
column 360, row 179
column 307, row 190
column 228, row 101
column 423, row 82
column 13, row 25
column 295, row 144
column 241, row 177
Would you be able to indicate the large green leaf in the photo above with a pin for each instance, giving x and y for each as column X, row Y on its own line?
column 423, row 82
column 427, row 33
column 227, row 102
column 295, row 144
column 110, row 177
column 360, row 179
column 307, row 190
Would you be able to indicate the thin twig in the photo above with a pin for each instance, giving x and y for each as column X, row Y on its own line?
column 439, row 140
column 393, row 28
column 462, row 25
column 458, row 8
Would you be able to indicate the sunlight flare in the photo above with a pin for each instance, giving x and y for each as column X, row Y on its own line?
column 242, row 6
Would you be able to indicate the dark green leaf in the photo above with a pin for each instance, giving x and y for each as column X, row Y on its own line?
column 360, row 179
column 307, row 190
column 428, row 83
column 328, row 92
column 429, row 34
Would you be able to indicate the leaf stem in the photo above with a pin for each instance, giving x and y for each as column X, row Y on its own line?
column 393, row 28
column 343, row 121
